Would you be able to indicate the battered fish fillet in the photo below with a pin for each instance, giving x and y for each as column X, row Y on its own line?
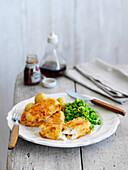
column 57, row 117
column 76, row 128
column 40, row 112
column 50, row 130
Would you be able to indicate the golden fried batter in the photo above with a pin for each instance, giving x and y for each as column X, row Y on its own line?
column 76, row 128
column 50, row 130
column 40, row 112
column 57, row 117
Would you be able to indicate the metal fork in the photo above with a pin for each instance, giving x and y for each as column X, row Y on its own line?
column 16, row 116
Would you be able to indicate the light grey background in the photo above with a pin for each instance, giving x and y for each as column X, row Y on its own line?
column 86, row 28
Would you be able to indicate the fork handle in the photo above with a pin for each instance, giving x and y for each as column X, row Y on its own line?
column 14, row 137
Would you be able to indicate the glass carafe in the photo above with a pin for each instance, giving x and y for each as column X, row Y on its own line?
column 52, row 64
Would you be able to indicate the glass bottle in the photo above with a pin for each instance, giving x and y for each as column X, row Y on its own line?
column 32, row 71
column 52, row 63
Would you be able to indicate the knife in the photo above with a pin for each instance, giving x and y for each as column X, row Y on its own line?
column 97, row 102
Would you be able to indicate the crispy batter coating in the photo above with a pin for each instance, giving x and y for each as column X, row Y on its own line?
column 40, row 112
column 57, row 117
column 50, row 130
column 76, row 128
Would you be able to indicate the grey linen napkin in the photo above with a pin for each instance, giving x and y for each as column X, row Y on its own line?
column 100, row 77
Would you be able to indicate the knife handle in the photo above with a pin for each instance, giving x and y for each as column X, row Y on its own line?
column 108, row 106
column 14, row 137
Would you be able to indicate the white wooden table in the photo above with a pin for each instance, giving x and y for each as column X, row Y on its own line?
column 109, row 154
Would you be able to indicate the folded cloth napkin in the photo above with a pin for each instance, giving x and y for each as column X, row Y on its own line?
column 110, row 81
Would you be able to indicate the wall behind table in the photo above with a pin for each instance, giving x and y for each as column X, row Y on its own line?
column 86, row 28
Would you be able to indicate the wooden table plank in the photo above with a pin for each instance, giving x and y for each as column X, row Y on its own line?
column 111, row 153
column 27, row 155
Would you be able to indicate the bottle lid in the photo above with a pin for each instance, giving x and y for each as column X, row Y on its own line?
column 31, row 58
column 49, row 82
column 53, row 38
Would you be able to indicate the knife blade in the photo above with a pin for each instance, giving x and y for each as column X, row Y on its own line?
column 96, row 102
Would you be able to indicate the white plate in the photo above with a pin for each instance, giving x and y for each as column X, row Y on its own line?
column 110, row 122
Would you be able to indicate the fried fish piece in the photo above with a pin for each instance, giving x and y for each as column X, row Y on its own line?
column 57, row 117
column 50, row 130
column 76, row 128
column 40, row 112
